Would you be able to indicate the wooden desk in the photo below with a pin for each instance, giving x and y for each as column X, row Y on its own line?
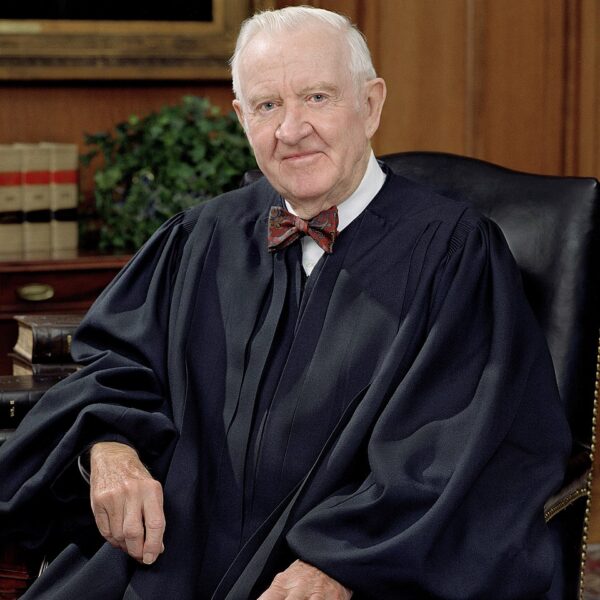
column 65, row 284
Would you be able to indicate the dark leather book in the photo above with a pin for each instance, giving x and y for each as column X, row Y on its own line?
column 21, row 366
column 45, row 338
column 18, row 393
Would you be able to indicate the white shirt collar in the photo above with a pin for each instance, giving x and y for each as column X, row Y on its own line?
column 368, row 188
column 348, row 210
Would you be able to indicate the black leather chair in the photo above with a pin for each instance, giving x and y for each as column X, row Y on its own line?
column 551, row 225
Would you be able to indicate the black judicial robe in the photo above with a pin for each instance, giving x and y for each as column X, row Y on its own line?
column 409, row 439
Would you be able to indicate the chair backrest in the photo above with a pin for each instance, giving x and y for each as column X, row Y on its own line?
column 551, row 225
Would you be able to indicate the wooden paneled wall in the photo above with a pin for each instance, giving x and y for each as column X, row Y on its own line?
column 513, row 82
column 63, row 112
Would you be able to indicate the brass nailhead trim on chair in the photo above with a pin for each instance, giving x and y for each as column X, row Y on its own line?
column 590, row 478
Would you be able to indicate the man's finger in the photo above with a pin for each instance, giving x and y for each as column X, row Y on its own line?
column 133, row 528
column 102, row 522
column 109, row 514
column 154, row 523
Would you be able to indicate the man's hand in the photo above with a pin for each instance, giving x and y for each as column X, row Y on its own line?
column 301, row 581
column 126, row 501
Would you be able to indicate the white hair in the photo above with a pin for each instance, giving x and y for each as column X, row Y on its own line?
column 290, row 19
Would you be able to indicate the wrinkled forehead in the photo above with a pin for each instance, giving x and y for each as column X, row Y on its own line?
column 316, row 46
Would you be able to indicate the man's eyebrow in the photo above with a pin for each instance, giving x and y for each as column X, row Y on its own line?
column 320, row 86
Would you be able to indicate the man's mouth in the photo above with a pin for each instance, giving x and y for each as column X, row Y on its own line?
column 298, row 157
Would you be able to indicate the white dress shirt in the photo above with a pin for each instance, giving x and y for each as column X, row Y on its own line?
column 348, row 210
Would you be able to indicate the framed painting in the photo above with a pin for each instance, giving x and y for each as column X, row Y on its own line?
column 64, row 40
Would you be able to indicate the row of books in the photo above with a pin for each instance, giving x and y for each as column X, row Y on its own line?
column 41, row 358
column 39, row 194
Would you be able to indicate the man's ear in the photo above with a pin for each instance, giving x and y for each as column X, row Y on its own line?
column 239, row 111
column 375, row 97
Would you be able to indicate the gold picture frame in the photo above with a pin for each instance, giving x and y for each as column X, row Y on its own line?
column 117, row 50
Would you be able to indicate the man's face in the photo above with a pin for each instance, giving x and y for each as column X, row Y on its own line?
column 307, row 123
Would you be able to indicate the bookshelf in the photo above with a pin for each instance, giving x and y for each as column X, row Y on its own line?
column 68, row 283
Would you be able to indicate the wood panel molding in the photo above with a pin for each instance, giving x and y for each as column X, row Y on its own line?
column 582, row 119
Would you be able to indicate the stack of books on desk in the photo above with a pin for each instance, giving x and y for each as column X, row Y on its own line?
column 43, row 347
column 41, row 358
column 43, row 344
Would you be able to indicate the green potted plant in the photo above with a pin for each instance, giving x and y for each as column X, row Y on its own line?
column 159, row 165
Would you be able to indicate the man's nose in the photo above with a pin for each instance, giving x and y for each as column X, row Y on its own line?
column 294, row 126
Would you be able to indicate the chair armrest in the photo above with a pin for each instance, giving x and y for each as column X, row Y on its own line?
column 566, row 496
column 576, row 484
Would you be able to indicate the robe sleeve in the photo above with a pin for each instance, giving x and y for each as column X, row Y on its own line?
column 467, row 446
column 119, row 394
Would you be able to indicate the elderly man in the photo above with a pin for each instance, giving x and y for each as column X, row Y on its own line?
column 326, row 384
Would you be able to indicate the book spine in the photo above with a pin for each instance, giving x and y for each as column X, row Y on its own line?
column 21, row 366
column 11, row 202
column 64, row 196
column 18, row 395
column 35, row 169
column 14, row 405
column 51, row 344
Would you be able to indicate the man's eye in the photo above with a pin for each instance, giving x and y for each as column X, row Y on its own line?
column 318, row 97
column 267, row 106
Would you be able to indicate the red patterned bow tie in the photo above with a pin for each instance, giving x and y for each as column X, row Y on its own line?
column 285, row 228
